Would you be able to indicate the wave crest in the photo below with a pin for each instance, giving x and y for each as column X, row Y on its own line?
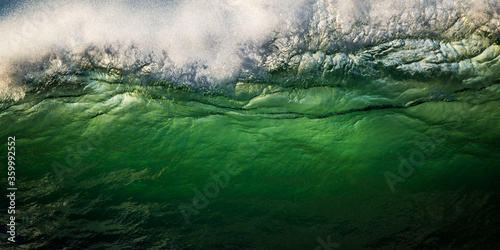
column 208, row 45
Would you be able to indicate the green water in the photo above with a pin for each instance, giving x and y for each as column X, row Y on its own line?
column 130, row 168
column 250, row 124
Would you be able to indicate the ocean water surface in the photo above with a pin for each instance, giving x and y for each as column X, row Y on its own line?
column 190, row 124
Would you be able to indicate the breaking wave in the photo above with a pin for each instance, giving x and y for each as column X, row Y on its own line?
column 214, row 45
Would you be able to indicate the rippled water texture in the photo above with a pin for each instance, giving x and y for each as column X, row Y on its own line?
column 251, row 124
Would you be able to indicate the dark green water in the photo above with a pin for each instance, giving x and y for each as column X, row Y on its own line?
column 163, row 168
column 251, row 124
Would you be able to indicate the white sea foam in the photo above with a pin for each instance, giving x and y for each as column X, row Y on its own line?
column 211, row 43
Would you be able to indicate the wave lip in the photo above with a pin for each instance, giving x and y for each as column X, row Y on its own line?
column 216, row 44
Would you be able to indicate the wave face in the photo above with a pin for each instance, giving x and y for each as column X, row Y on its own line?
column 214, row 45
column 252, row 124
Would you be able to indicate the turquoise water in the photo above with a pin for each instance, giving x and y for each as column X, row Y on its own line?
column 374, row 144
